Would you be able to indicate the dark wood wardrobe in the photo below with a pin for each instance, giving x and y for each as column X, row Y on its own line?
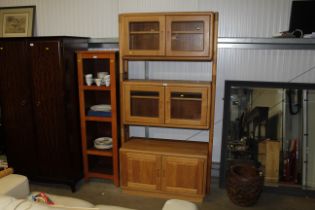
column 39, row 105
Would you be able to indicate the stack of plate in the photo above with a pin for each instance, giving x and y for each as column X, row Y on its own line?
column 103, row 143
column 101, row 108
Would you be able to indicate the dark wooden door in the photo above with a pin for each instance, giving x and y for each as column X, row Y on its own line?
column 16, row 107
column 49, row 111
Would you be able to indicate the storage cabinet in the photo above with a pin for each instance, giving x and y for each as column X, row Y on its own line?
column 179, row 170
column 167, row 103
column 98, row 123
column 39, row 107
column 164, row 167
column 178, row 35
column 268, row 156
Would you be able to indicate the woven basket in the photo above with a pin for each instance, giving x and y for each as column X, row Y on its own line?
column 244, row 184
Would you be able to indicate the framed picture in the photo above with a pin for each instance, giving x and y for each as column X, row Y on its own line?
column 17, row 21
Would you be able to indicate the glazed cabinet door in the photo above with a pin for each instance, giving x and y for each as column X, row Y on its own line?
column 49, row 108
column 144, row 103
column 140, row 171
column 16, row 107
column 186, row 106
column 184, row 175
column 188, row 35
column 144, row 35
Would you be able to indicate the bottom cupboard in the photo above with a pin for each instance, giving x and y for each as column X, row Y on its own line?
column 164, row 168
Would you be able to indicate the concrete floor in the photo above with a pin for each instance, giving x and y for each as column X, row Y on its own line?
column 103, row 192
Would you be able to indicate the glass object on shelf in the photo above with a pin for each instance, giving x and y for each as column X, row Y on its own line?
column 144, row 103
column 186, row 105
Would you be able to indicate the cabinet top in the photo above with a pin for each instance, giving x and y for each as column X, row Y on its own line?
column 167, row 13
column 41, row 38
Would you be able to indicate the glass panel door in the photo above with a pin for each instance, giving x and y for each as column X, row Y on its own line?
column 187, row 106
column 187, row 36
column 145, row 35
column 144, row 104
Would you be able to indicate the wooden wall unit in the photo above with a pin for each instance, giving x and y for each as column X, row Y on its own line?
column 167, row 168
column 98, row 163
column 39, row 105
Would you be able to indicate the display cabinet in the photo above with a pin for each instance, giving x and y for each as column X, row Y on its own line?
column 168, row 34
column 165, row 167
column 98, row 110
column 166, row 103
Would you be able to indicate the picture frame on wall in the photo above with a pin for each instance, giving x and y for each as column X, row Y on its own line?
column 17, row 21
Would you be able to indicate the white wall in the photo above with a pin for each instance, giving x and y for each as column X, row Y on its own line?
column 99, row 18
column 88, row 18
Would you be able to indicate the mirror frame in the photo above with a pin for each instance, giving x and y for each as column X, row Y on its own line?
column 226, row 111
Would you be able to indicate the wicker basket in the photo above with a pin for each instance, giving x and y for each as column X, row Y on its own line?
column 244, row 184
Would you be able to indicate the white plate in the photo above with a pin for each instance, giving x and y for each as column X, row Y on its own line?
column 101, row 108
column 103, row 143
column 103, row 146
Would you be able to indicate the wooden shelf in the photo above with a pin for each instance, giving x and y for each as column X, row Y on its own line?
column 187, row 32
column 99, row 152
column 93, row 87
column 100, row 175
column 167, row 147
column 98, row 119
column 98, row 163
column 144, row 32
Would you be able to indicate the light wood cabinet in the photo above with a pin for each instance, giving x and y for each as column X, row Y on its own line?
column 142, row 171
column 167, row 104
column 173, row 168
column 166, row 168
column 183, row 175
column 144, row 103
column 188, row 35
column 178, row 35
column 268, row 156
column 144, row 35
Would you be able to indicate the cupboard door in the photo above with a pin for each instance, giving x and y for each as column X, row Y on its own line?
column 49, row 95
column 188, row 35
column 140, row 171
column 144, row 104
column 144, row 35
column 186, row 105
column 16, row 108
column 184, row 175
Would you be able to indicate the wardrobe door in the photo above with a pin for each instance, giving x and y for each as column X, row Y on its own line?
column 49, row 110
column 16, row 108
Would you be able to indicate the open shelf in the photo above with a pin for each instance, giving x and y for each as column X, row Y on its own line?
column 99, row 152
column 97, row 118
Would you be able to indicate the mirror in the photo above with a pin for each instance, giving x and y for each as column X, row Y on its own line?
column 271, row 125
